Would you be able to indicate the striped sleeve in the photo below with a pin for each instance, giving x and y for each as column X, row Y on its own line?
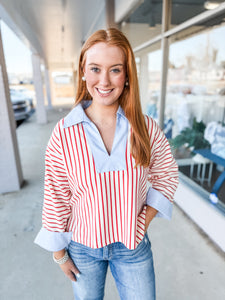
column 163, row 170
column 57, row 194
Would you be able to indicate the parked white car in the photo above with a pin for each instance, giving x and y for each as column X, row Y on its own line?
column 22, row 104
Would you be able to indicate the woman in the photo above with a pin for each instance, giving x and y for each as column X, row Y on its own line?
column 99, row 159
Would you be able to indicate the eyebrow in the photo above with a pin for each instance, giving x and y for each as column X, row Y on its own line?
column 116, row 65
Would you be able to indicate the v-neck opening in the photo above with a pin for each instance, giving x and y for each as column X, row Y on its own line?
column 102, row 141
column 100, row 136
column 102, row 159
column 115, row 132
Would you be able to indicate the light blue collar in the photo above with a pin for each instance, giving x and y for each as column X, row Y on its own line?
column 77, row 115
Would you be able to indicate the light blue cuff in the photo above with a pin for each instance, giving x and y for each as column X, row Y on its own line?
column 53, row 241
column 156, row 200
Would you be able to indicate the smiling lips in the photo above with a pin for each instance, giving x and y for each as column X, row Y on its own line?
column 104, row 92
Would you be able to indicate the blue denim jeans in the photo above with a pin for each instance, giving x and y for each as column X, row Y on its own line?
column 132, row 270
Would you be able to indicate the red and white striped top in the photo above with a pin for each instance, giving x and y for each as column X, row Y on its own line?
column 107, row 207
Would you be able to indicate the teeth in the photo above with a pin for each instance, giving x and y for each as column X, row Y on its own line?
column 104, row 92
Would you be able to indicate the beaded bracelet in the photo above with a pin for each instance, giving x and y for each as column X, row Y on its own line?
column 61, row 260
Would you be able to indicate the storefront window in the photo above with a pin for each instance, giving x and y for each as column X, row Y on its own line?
column 154, row 68
column 149, row 71
column 196, row 103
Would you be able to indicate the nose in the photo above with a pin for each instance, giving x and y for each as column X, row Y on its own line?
column 104, row 79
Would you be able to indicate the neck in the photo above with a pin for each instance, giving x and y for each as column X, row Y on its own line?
column 102, row 113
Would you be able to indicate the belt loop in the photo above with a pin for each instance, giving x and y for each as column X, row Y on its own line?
column 105, row 252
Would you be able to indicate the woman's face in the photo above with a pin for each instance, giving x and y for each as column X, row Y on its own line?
column 105, row 73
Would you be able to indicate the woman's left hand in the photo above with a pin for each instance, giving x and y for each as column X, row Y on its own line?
column 150, row 214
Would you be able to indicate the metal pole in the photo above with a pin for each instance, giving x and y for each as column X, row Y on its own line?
column 166, row 17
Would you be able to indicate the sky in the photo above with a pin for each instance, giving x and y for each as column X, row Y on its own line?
column 17, row 55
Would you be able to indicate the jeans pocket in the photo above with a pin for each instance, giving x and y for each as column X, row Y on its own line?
column 76, row 250
column 143, row 248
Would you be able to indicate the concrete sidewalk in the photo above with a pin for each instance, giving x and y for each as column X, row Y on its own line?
column 188, row 266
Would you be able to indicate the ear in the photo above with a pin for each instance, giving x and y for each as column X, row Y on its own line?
column 83, row 70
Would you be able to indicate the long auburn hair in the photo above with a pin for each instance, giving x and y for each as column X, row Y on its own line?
column 129, row 100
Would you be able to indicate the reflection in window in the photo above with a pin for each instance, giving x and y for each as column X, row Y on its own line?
column 196, row 100
column 154, row 68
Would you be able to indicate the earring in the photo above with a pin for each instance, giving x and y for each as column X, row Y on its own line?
column 127, row 83
column 83, row 78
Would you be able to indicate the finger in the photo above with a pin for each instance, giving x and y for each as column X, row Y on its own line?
column 75, row 270
column 72, row 270
column 77, row 275
column 71, row 276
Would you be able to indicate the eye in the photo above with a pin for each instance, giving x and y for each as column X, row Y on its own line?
column 116, row 70
column 95, row 69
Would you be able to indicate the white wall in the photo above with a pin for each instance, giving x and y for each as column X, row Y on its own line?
column 201, row 211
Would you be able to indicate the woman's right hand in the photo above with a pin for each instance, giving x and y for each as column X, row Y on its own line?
column 68, row 267
column 70, row 270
